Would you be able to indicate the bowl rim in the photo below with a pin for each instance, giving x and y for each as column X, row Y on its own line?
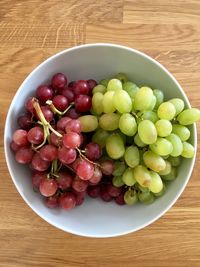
column 6, row 147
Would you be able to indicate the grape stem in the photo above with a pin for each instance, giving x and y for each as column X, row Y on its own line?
column 83, row 156
column 55, row 110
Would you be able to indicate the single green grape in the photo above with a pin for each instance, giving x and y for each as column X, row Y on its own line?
column 100, row 137
column 143, row 99
column 175, row 161
column 163, row 127
column 115, row 146
column 114, row 85
column 138, row 141
column 146, row 197
column 119, row 168
column 176, row 143
column 89, row 123
column 167, row 168
column 122, row 101
column 147, row 132
column 109, row 122
column 188, row 150
column 189, row 116
column 97, row 103
column 178, row 104
column 122, row 77
column 181, row 131
column 166, row 111
column 162, row 147
column 161, row 193
column 159, row 97
column 171, row 176
column 99, row 89
column 142, row 175
column 154, row 161
column 108, row 104
column 132, row 156
column 147, row 115
column 128, row 177
column 156, row 184
column 127, row 124
column 130, row 88
column 117, row 181
column 130, row 197
column 104, row 82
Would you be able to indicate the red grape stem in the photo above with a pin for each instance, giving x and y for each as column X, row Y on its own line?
column 83, row 156
column 55, row 110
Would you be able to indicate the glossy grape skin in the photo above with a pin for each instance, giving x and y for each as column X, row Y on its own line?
column 132, row 156
column 147, row 132
column 109, row 122
column 89, row 123
column 127, row 124
column 115, row 146
column 24, row 155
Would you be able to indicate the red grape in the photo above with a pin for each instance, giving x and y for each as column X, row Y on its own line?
column 93, row 191
column 24, row 155
column 72, row 113
column 91, row 84
column 79, row 185
column 35, row 135
column 85, row 169
column 73, row 126
column 39, row 164
column 25, row 121
column 44, row 93
column 69, row 94
column 60, row 102
column 93, row 151
column 56, row 140
column 107, row 167
column 71, row 140
column 67, row 201
column 58, row 81
column 83, row 103
column 48, row 187
column 71, row 84
column 37, row 177
column 48, row 152
column 51, row 202
column 80, row 196
column 48, row 114
column 66, row 155
column 81, row 87
column 29, row 105
column 113, row 191
column 20, row 137
column 120, row 199
column 14, row 146
column 75, row 163
column 104, row 195
column 96, row 177
column 61, row 124
column 64, row 180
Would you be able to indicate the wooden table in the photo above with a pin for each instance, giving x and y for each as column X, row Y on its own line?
column 30, row 31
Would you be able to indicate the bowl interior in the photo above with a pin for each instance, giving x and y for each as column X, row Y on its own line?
column 96, row 218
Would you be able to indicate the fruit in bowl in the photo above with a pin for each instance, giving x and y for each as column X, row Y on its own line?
column 114, row 139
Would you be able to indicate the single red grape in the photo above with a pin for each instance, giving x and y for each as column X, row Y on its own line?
column 120, row 199
column 81, row 87
column 96, row 177
column 107, row 167
column 71, row 140
column 44, row 93
column 48, row 114
column 73, row 126
column 61, row 123
column 93, row 191
column 24, row 155
column 48, row 187
column 37, row 177
column 60, row 102
column 58, row 81
column 80, row 196
column 93, row 151
column 25, row 121
column 64, row 180
column 83, row 103
column 48, row 152
column 85, row 170
column 29, row 105
column 35, row 135
column 91, row 84
column 71, row 84
column 79, row 185
column 20, row 137
column 67, row 201
column 66, row 155
column 39, row 164
column 104, row 194
column 14, row 146
column 56, row 140
column 113, row 191
column 69, row 94
column 72, row 113
column 51, row 202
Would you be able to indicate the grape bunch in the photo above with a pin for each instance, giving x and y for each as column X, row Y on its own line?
column 111, row 140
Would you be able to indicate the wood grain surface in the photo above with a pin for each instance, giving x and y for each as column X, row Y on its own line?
column 30, row 31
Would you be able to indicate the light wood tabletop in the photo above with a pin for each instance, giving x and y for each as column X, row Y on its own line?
column 31, row 31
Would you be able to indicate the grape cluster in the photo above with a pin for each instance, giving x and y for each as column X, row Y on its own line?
column 112, row 139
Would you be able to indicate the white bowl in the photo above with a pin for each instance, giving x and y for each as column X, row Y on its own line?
column 96, row 218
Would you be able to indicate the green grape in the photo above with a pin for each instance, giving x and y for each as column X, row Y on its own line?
column 114, row 85
column 122, row 101
column 147, row 115
column 159, row 97
column 128, row 177
column 162, row 147
column 123, row 136
column 130, row 197
column 141, row 188
column 119, row 168
column 176, row 143
column 141, row 157
column 147, row 132
column 109, row 122
column 117, row 181
column 161, row 193
column 89, row 123
column 163, row 127
column 104, row 82
column 153, row 103
column 122, row 77
column 171, row 176
column 154, row 161
column 132, row 156
column 175, row 161
column 130, row 88
column 142, row 175
column 189, row 116
column 143, row 99
column 156, row 184
column 99, row 89
column 146, row 197
column 178, row 104
column 167, row 168
column 115, row 146
column 100, row 137
column 181, row 131
column 166, row 111
column 108, row 104
column 188, row 150
column 138, row 141
column 97, row 103
column 127, row 124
